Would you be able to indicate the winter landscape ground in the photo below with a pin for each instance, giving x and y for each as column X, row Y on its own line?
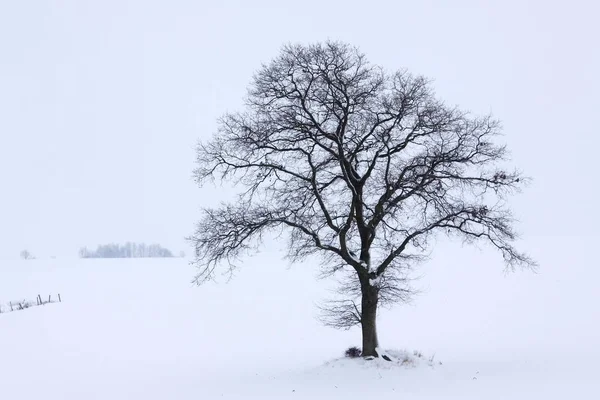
column 138, row 329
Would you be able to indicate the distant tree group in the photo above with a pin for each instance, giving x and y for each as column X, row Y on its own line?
column 26, row 255
column 128, row 250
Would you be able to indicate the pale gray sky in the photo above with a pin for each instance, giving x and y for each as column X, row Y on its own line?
column 101, row 102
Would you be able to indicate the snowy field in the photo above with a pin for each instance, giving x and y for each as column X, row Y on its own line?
column 138, row 329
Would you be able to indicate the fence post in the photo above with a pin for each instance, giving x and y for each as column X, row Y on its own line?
column 11, row 307
column 59, row 299
column 49, row 298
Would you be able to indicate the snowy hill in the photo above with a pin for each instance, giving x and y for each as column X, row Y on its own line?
column 138, row 329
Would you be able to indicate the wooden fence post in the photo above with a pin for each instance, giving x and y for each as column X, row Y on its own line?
column 59, row 299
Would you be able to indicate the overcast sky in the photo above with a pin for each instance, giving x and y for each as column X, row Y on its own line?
column 102, row 102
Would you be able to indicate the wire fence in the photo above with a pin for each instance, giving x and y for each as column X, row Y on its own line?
column 25, row 304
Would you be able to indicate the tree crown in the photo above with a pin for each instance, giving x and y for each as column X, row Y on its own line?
column 358, row 165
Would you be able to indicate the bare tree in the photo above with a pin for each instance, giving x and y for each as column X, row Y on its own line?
column 26, row 255
column 359, row 166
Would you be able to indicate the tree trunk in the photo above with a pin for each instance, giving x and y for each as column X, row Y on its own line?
column 370, row 297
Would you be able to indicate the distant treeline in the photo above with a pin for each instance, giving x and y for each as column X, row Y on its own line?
column 127, row 250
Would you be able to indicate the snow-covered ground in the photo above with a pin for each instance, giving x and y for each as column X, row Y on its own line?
column 138, row 329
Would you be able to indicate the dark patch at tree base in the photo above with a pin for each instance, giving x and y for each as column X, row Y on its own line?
column 369, row 358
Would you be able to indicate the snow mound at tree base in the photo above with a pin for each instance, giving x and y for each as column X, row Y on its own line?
column 348, row 378
column 397, row 359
